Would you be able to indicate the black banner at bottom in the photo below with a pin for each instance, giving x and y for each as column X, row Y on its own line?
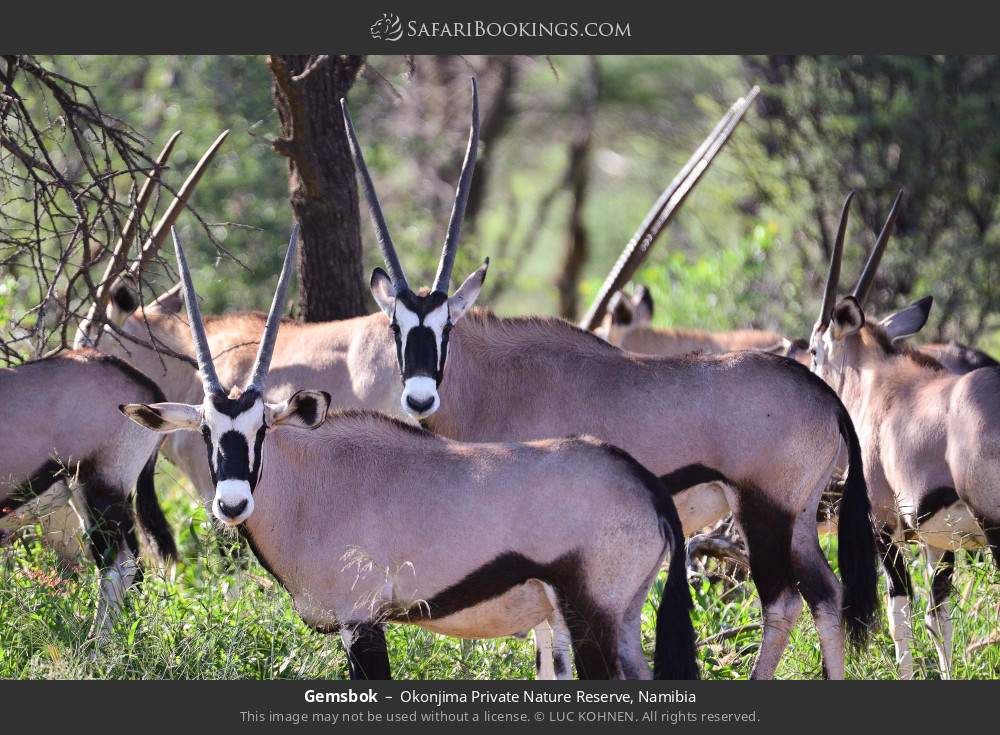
column 255, row 706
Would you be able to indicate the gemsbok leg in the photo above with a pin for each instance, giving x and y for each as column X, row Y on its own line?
column 940, row 566
column 552, row 648
column 819, row 586
column 900, row 601
column 768, row 534
column 367, row 656
column 113, row 545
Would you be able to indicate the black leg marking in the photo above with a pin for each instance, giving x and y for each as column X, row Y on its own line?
column 110, row 514
column 595, row 643
column 893, row 562
column 993, row 539
column 558, row 663
column 133, row 544
column 768, row 533
column 367, row 655
column 538, row 660
column 941, row 583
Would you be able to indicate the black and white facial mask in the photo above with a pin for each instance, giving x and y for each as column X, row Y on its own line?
column 421, row 327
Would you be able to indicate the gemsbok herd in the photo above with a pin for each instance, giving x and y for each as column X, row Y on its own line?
column 480, row 476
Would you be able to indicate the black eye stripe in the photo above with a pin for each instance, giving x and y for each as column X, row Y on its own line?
column 233, row 457
column 420, row 354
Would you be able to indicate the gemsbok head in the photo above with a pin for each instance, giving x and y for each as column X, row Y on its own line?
column 837, row 335
column 422, row 320
column 625, row 313
column 233, row 422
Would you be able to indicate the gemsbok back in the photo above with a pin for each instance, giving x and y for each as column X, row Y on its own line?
column 60, row 422
column 958, row 358
column 931, row 441
column 628, row 324
column 366, row 520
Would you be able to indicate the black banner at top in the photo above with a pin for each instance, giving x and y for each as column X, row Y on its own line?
column 397, row 27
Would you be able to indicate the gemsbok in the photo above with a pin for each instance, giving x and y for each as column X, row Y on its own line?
column 61, row 423
column 628, row 324
column 931, row 441
column 366, row 520
column 955, row 357
column 958, row 358
column 759, row 419
column 766, row 423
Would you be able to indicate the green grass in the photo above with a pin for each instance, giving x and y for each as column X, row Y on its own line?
column 191, row 622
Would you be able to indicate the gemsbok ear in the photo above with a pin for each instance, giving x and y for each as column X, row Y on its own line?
column 847, row 319
column 643, row 305
column 306, row 409
column 383, row 291
column 163, row 417
column 169, row 302
column 620, row 309
column 907, row 322
column 466, row 295
column 782, row 347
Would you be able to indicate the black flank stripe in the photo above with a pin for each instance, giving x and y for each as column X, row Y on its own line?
column 936, row 500
column 40, row 481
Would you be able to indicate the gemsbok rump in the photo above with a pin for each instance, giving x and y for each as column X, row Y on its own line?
column 930, row 438
column 366, row 520
column 61, row 423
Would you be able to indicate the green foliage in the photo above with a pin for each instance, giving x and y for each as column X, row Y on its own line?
column 928, row 124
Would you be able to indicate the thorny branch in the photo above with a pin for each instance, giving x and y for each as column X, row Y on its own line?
column 69, row 177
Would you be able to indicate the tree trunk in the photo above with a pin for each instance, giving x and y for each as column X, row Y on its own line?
column 321, row 184
column 578, row 181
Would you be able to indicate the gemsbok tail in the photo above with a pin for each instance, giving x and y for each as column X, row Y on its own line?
column 675, row 656
column 857, row 553
column 150, row 514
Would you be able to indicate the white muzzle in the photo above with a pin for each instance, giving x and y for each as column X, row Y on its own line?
column 233, row 502
column 420, row 397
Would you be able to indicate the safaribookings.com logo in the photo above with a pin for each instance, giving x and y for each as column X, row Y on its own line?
column 387, row 28
column 390, row 28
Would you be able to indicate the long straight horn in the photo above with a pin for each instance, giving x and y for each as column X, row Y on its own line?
column 209, row 379
column 374, row 208
column 266, row 349
column 443, row 278
column 833, row 276
column 867, row 277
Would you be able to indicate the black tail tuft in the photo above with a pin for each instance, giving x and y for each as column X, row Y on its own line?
column 151, row 517
column 856, row 540
column 675, row 656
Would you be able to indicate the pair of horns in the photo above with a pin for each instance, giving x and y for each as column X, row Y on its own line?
column 396, row 274
column 865, row 281
column 209, row 378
